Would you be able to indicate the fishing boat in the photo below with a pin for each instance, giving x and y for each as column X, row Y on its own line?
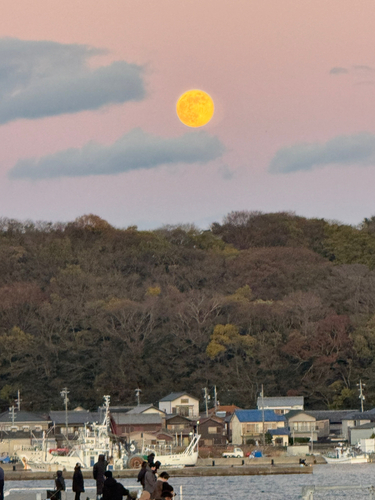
column 94, row 441
column 345, row 456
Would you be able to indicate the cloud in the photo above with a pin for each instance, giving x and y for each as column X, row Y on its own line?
column 43, row 78
column 338, row 71
column 361, row 67
column 135, row 150
column 342, row 150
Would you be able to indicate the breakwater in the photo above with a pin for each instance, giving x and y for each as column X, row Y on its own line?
column 24, row 475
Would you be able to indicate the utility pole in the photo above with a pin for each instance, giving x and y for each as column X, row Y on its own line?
column 361, row 395
column 138, row 396
column 64, row 394
column 263, row 434
column 206, row 399
column 12, row 414
column 18, row 400
column 215, row 398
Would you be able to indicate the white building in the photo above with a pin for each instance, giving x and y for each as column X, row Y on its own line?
column 180, row 403
column 281, row 405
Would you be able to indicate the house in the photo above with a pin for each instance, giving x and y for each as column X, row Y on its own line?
column 281, row 405
column 23, row 421
column 212, row 430
column 160, row 441
column 303, row 425
column 178, row 423
column 356, row 419
column 76, row 420
column 334, row 417
column 248, row 424
column 125, row 424
column 180, row 403
column 364, row 431
column 280, row 436
column 24, row 430
column 223, row 410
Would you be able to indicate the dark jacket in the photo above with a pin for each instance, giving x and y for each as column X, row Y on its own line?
column 100, row 468
column 160, row 486
column 150, row 480
column 60, row 481
column 78, row 484
column 156, row 494
column 112, row 490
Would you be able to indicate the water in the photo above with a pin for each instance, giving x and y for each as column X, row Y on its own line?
column 278, row 487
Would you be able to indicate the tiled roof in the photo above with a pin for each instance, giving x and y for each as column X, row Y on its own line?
column 293, row 413
column 141, row 408
column 369, row 425
column 281, row 402
column 76, row 417
column 334, row 416
column 357, row 415
column 257, row 416
column 136, row 418
column 22, row 416
column 175, row 395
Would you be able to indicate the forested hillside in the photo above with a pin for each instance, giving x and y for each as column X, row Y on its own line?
column 271, row 299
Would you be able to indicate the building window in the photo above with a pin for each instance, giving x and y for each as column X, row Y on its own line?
column 212, row 430
column 185, row 401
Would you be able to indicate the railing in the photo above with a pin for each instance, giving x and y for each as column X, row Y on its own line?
column 308, row 491
column 64, row 495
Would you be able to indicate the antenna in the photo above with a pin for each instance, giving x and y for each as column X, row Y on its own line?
column 12, row 414
column 18, row 401
column 64, row 394
column 138, row 395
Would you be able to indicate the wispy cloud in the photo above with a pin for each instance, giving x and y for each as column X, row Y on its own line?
column 337, row 70
column 133, row 151
column 342, row 150
column 363, row 67
column 43, row 78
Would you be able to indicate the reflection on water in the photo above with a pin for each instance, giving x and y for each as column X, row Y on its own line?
column 244, row 487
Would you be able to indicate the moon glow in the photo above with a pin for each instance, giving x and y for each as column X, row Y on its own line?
column 195, row 108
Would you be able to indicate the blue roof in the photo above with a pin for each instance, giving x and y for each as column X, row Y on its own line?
column 281, row 431
column 257, row 416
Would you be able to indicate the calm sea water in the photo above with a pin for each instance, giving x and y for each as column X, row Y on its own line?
column 288, row 487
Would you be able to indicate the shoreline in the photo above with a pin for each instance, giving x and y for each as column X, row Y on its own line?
column 217, row 470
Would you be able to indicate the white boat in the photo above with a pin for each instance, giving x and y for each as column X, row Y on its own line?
column 94, row 442
column 91, row 443
column 345, row 456
column 187, row 458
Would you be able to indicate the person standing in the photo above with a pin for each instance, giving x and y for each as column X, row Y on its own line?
column 78, row 483
column 60, row 484
column 151, row 477
column 113, row 490
column 98, row 473
column 1, row 484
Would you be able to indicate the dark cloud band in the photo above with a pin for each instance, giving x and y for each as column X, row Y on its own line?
column 42, row 78
column 356, row 149
column 133, row 151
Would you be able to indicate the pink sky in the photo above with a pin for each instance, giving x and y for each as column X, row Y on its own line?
column 267, row 66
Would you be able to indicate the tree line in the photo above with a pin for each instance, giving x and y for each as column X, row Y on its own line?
column 273, row 299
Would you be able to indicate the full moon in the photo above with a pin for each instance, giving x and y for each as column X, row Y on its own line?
column 195, row 108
